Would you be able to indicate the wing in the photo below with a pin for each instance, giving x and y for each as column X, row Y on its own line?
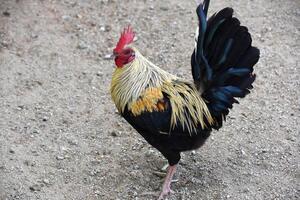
column 152, row 117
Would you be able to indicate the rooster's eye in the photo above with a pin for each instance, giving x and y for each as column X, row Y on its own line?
column 127, row 51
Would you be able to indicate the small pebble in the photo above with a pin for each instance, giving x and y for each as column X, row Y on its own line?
column 163, row 8
column 4, row 44
column 264, row 151
column 114, row 133
column 59, row 157
column 46, row 181
column 246, row 190
column 149, row 153
column 94, row 172
column 243, row 152
column 79, row 16
column 6, row 13
column 105, row 28
column 35, row 187
column 73, row 142
column 102, row 28
column 35, row 132
column 291, row 138
column 99, row 74
column 136, row 167
column 34, row 152
column 21, row 107
column 11, row 151
column 66, row 17
column 82, row 45
column 34, row 36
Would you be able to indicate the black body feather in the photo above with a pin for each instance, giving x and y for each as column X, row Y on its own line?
column 155, row 128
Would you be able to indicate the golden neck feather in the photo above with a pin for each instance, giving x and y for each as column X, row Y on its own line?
column 130, row 81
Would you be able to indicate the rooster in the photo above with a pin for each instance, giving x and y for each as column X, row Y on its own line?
column 174, row 115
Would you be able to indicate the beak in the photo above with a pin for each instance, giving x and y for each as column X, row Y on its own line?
column 115, row 54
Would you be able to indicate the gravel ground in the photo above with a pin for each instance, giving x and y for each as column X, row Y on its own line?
column 60, row 135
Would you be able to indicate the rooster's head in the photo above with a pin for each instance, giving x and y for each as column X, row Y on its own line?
column 124, row 55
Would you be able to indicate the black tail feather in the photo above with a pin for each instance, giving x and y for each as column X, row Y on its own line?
column 214, row 23
column 221, row 39
column 223, row 60
column 205, row 6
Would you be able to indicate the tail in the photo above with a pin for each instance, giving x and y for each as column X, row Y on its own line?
column 223, row 60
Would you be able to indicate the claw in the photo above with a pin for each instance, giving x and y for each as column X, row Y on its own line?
column 165, row 193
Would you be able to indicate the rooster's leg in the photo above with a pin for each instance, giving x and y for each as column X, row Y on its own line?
column 166, row 189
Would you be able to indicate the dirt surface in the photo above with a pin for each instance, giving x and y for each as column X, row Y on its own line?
column 60, row 135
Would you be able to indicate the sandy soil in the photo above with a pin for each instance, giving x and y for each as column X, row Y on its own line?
column 60, row 135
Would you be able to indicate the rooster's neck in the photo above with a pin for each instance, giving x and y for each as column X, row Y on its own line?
column 130, row 81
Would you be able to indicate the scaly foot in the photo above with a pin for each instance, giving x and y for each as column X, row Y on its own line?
column 166, row 190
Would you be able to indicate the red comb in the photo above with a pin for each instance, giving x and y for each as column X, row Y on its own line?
column 126, row 38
